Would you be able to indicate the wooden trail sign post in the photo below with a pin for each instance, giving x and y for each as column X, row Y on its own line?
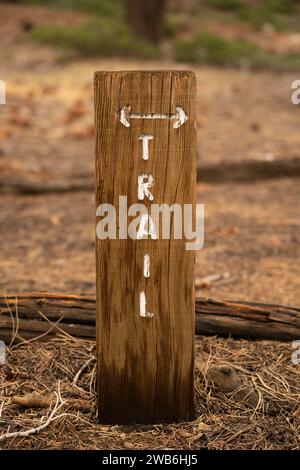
column 146, row 152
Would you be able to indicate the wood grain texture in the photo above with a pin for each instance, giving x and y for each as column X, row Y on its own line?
column 145, row 366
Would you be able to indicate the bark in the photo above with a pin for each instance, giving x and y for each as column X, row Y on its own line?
column 75, row 315
column 146, row 18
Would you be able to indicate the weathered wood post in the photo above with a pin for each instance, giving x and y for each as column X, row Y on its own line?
column 145, row 152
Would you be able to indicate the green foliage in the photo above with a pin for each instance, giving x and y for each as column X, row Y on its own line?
column 207, row 48
column 226, row 5
column 175, row 23
column 105, row 32
column 171, row 25
column 271, row 6
column 98, row 7
column 259, row 16
column 269, row 11
column 98, row 36
column 281, row 6
column 213, row 49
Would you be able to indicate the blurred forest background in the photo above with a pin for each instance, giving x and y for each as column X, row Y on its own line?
column 255, row 33
column 245, row 55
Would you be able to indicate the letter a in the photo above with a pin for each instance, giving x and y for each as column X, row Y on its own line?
column 146, row 228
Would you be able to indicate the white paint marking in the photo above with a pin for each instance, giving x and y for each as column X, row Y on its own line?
column 123, row 118
column 145, row 138
column 143, row 310
column 2, row 355
column 145, row 181
column 146, row 228
column 180, row 116
column 2, row 92
column 146, row 265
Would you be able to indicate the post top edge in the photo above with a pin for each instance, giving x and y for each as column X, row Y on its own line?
column 187, row 72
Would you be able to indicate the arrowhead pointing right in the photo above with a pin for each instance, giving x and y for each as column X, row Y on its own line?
column 182, row 117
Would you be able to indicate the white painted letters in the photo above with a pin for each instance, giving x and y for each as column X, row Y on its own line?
column 146, row 265
column 146, row 228
column 145, row 181
column 145, row 138
column 143, row 309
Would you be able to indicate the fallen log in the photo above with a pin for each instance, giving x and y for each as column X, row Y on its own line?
column 22, row 182
column 251, row 170
column 29, row 315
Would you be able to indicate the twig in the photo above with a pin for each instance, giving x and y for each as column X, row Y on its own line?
column 15, row 327
column 61, row 330
column 82, row 368
column 241, row 431
column 26, row 341
column 34, row 400
column 57, row 327
column 59, row 403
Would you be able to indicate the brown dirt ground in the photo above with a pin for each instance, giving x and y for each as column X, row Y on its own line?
column 47, row 241
column 221, row 423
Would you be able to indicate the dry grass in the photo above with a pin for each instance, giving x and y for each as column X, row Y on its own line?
column 50, row 370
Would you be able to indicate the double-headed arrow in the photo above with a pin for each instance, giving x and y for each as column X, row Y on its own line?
column 180, row 116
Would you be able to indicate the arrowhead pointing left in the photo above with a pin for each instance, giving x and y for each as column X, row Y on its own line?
column 181, row 117
column 123, row 116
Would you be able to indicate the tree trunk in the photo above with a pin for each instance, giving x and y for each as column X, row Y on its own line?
column 146, row 18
